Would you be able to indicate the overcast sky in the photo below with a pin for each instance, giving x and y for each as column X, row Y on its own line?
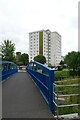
column 19, row 17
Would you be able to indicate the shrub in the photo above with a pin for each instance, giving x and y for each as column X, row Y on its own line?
column 73, row 73
column 61, row 75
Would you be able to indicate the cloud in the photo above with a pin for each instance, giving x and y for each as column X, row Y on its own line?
column 19, row 17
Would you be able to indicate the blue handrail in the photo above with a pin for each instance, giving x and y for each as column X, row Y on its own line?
column 43, row 76
column 6, row 69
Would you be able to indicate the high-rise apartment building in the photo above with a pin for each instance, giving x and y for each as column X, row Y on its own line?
column 46, row 43
column 55, row 48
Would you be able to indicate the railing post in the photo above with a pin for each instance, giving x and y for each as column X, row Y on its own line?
column 51, row 80
column 57, row 102
column 36, row 67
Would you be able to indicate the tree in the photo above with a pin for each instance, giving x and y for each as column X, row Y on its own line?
column 8, row 49
column 73, row 61
column 25, row 58
column 40, row 59
column 62, row 63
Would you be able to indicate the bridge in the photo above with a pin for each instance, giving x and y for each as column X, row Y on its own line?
column 27, row 94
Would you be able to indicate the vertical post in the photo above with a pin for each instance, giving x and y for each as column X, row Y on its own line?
column 57, row 101
column 32, row 65
column 79, row 50
column 11, row 68
column 51, row 80
column 79, row 96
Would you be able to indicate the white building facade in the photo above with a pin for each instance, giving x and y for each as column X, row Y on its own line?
column 46, row 43
column 55, row 48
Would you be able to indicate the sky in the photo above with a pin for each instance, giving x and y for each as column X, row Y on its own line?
column 19, row 17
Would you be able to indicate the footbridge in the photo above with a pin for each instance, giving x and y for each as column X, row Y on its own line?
column 27, row 94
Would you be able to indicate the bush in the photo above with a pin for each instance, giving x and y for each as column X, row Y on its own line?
column 58, row 77
column 78, row 72
column 61, row 75
column 73, row 73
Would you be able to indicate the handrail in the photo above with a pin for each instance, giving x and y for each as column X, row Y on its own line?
column 7, row 68
column 43, row 76
column 66, row 85
column 57, row 95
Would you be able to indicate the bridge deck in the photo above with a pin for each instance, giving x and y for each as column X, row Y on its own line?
column 22, row 99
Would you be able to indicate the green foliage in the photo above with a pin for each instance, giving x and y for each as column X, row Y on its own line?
column 24, row 58
column 78, row 71
column 50, row 65
column 68, row 99
column 59, row 75
column 72, row 60
column 62, row 63
column 40, row 59
column 8, row 49
column 73, row 73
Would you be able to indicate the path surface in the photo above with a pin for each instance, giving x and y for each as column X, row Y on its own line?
column 22, row 99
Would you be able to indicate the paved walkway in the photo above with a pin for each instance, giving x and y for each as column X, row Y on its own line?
column 22, row 99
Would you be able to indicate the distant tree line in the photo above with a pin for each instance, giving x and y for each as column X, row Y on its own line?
column 72, row 59
column 23, row 59
column 8, row 50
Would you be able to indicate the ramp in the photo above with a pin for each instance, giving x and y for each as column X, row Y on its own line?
column 22, row 99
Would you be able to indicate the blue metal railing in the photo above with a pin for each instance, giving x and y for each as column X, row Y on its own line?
column 43, row 76
column 6, row 69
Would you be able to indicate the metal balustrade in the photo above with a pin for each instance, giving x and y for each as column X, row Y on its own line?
column 6, row 69
column 58, row 95
column 43, row 76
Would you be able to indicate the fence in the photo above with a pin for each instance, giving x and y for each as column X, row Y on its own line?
column 7, row 69
column 43, row 77
column 61, row 97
